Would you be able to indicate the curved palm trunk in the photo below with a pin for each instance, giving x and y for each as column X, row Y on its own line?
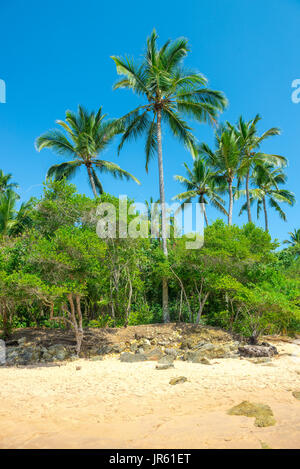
column 92, row 180
column 230, row 202
column 266, row 214
column 248, row 197
column 166, row 316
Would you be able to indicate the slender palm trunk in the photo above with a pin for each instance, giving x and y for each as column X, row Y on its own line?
column 266, row 214
column 204, row 210
column 230, row 202
column 92, row 180
column 166, row 316
column 248, row 197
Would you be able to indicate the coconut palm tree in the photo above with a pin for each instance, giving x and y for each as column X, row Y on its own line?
column 169, row 92
column 294, row 238
column 13, row 221
column 200, row 182
column 86, row 135
column 5, row 183
column 225, row 160
column 266, row 180
column 250, row 143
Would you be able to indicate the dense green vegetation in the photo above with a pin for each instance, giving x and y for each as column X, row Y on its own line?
column 55, row 271
column 59, row 273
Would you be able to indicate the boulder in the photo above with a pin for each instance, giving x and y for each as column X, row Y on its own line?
column 132, row 357
column 171, row 351
column 263, row 413
column 202, row 360
column 166, row 360
column 155, row 354
column 58, row 352
column 105, row 349
column 257, row 350
column 210, row 351
column 296, row 395
column 178, row 380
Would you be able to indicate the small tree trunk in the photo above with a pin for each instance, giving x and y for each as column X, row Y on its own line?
column 248, row 197
column 166, row 316
column 5, row 322
column 266, row 214
column 92, row 181
column 78, row 333
column 230, row 202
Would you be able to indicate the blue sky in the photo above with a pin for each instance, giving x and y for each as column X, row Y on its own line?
column 56, row 55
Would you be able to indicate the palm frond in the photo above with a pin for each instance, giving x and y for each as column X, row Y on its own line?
column 114, row 170
column 64, row 170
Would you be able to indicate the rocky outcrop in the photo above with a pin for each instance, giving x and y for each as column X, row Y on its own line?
column 210, row 351
column 28, row 353
column 196, row 344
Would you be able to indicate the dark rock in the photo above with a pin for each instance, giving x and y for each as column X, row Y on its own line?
column 105, row 350
column 257, row 351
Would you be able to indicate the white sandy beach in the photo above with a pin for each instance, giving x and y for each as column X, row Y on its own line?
column 109, row 404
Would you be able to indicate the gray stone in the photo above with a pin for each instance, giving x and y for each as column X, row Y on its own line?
column 154, row 354
column 202, row 360
column 166, row 360
column 164, row 366
column 104, row 349
column 132, row 357
column 171, row 351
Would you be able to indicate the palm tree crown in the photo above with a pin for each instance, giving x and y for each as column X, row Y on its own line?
column 5, row 183
column 13, row 221
column 87, row 135
column 225, row 160
column 200, row 182
column 170, row 92
column 266, row 179
column 250, row 143
column 294, row 238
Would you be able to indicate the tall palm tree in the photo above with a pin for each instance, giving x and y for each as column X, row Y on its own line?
column 226, row 160
column 170, row 92
column 86, row 135
column 266, row 180
column 5, row 183
column 294, row 238
column 13, row 221
column 200, row 182
column 250, row 143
